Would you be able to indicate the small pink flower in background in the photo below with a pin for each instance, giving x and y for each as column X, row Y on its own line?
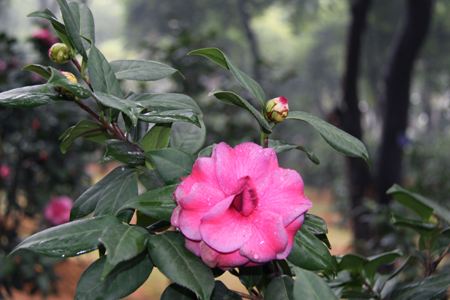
column 3, row 66
column 45, row 36
column 58, row 209
column 5, row 171
column 238, row 207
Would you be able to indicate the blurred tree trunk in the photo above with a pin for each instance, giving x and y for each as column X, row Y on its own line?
column 396, row 95
column 251, row 37
column 358, row 172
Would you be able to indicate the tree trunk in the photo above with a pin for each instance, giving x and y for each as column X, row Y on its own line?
column 396, row 96
column 251, row 38
column 358, row 172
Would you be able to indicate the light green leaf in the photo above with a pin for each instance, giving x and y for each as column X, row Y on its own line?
column 169, row 255
column 144, row 70
column 308, row 285
column 218, row 57
column 170, row 163
column 280, row 147
column 70, row 239
column 85, row 128
column 101, row 74
column 108, row 195
column 29, row 96
column 233, row 98
column 335, row 137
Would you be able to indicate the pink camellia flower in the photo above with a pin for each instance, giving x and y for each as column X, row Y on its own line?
column 238, row 207
column 58, row 209
column 5, row 171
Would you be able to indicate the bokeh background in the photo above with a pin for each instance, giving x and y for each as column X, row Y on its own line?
column 378, row 69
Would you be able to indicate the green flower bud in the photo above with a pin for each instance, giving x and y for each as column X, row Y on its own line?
column 70, row 77
column 277, row 109
column 60, row 53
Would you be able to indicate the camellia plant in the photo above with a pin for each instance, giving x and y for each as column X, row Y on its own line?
column 199, row 211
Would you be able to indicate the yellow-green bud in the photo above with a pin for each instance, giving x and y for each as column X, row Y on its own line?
column 277, row 109
column 70, row 77
column 60, row 53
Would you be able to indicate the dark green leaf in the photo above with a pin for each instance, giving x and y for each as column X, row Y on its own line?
column 180, row 265
column 251, row 276
column 122, row 242
column 124, row 280
column 221, row 292
column 308, row 285
column 336, row 138
column 352, row 262
column 218, row 57
column 422, row 206
column 280, row 147
column 157, row 203
column 70, row 239
column 433, row 287
column 57, row 25
column 374, row 262
column 280, row 288
column 310, row 253
column 145, row 70
column 101, row 74
column 170, row 116
column 130, row 109
column 175, row 291
column 85, row 128
column 72, row 24
column 233, row 98
column 417, row 225
column 125, row 152
column 169, row 101
column 156, row 138
column 41, row 70
column 57, row 79
column 170, row 163
column 87, row 26
column 108, row 195
column 315, row 224
column 187, row 137
column 29, row 96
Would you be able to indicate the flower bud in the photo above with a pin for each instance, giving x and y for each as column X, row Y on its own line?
column 277, row 109
column 70, row 77
column 60, row 53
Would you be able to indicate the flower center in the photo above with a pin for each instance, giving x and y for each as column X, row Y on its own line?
column 246, row 199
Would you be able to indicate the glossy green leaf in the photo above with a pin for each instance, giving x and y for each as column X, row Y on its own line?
column 72, row 24
column 169, row 101
column 85, row 128
column 221, row 292
column 156, row 138
column 108, row 195
column 235, row 99
column 101, row 74
column 308, row 285
column 175, row 291
column 130, row 109
column 59, row 27
column 144, row 70
column 70, row 239
column 41, row 70
column 218, row 57
column 335, row 137
column 280, row 147
column 124, row 280
column 315, row 224
column 122, row 242
column 280, row 288
column 311, row 253
column 169, row 255
column 157, row 204
column 187, row 137
column 170, row 116
column 432, row 287
column 57, row 79
column 170, row 163
column 29, row 96
column 124, row 152
column 421, row 205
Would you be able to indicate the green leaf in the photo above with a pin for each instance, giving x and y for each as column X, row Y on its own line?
column 122, row 242
column 41, row 70
column 417, row 225
column 180, row 265
column 130, row 109
column 308, row 285
column 72, row 24
column 374, row 262
column 108, row 195
column 422, row 206
column 101, row 74
column 125, row 152
column 85, row 128
column 169, row 101
column 156, row 138
column 124, row 280
column 280, row 147
column 311, row 253
column 432, row 287
column 87, row 25
column 352, row 262
column 157, row 204
column 170, row 163
column 251, row 276
column 187, row 137
column 144, row 70
column 336, row 138
column 170, row 116
column 29, row 96
column 207, row 151
column 59, row 27
column 280, row 288
column 175, row 291
column 233, row 98
column 70, row 239
column 218, row 57
column 57, row 79
column 221, row 292
column 315, row 224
